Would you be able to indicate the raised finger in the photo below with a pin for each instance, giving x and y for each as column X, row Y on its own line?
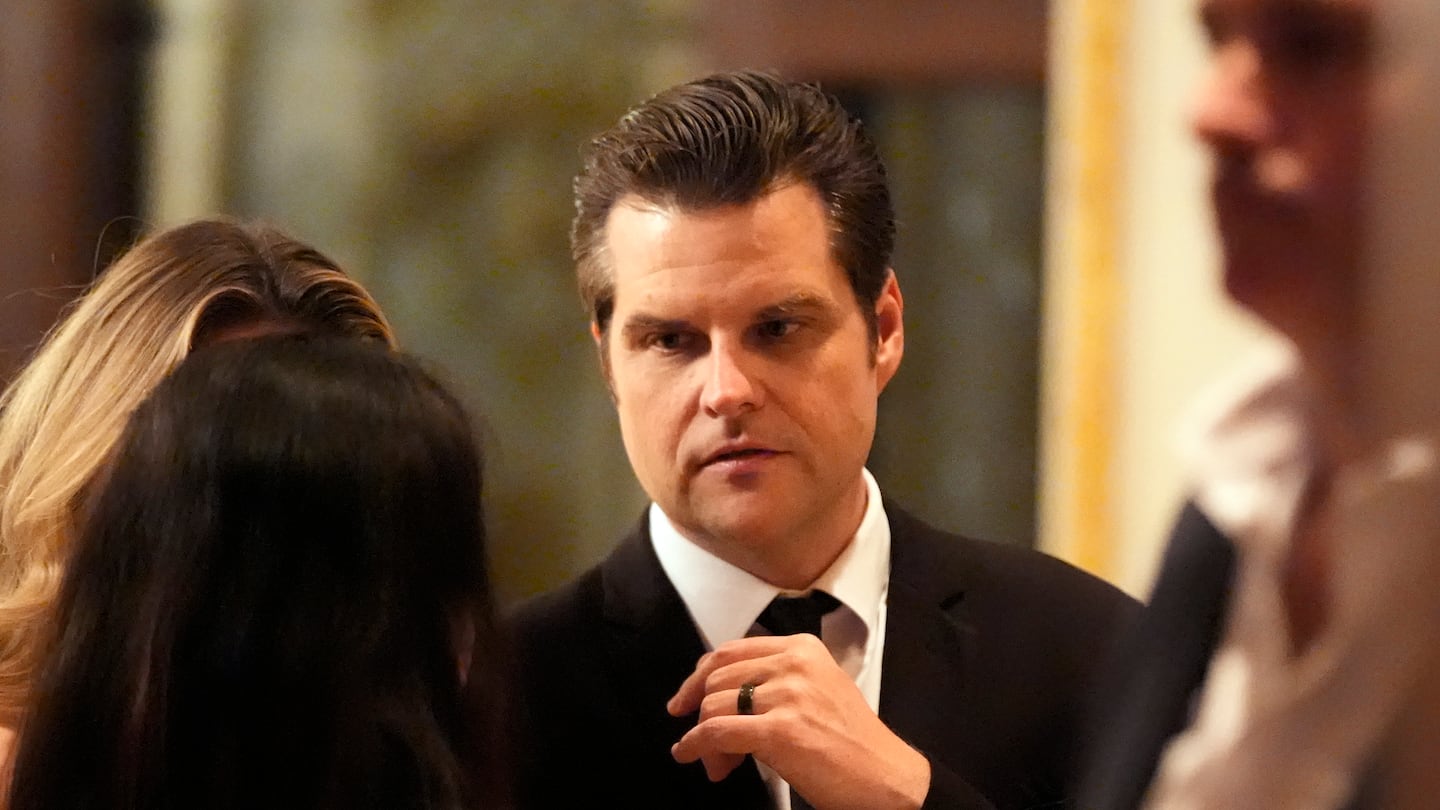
column 687, row 698
column 730, row 734
column 718, row 766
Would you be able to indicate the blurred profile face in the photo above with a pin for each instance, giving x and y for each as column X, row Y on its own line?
column 744, row 373
column 1283, row 112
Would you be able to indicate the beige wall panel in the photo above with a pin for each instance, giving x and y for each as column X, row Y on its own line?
column 1172, row 330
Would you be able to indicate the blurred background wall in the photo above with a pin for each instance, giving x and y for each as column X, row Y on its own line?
column 71, row 88
column 429, row 146
column 1135, row 323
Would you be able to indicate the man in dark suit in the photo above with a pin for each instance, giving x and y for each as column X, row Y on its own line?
column 774, row 633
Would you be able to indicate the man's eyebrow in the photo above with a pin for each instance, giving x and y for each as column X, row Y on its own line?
column 798, row 303
column 641, row 322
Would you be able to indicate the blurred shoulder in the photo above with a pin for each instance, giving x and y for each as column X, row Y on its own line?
column 1002, row 571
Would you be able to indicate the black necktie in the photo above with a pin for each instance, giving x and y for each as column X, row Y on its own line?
column 788, row 615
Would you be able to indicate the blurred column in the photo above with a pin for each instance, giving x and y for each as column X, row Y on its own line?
column 189, row 141
column 68, row 107
column 1135, row 319
column 1078, row 397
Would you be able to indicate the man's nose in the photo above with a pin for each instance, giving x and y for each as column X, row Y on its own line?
column 730, row 386
column 1232, row 111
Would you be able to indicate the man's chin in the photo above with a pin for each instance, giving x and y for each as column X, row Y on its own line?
column 1263, row 285
column 740, row 521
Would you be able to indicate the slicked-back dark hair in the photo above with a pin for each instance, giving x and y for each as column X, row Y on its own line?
column 265, row 596
column 729, row 139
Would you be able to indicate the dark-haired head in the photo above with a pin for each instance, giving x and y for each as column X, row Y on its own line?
column 272, row 596
column 727, row 140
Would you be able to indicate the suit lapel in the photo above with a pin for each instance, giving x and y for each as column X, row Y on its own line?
column 653, row 647
column 926, row 645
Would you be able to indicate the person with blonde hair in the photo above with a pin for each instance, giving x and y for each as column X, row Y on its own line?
column 305, row 618
column 177, row 290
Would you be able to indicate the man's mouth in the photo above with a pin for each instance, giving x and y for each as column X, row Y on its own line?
column 1243, row 189
column 739, row 454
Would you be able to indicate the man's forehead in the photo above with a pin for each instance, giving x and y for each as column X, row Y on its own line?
column 666, row 205
column 787, row 220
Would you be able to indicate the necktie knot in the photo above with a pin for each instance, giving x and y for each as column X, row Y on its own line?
column 789, row 615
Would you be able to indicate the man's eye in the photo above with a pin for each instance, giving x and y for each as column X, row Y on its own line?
column 1319, row 42
column 1213, row 28
column 777, row 329
column 667, row 341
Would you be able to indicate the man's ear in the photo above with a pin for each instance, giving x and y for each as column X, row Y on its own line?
column 602, row 346
column 889, row 330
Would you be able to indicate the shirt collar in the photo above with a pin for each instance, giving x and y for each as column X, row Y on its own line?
column 1248, row 446
column 1252, row 448
column 724, row 600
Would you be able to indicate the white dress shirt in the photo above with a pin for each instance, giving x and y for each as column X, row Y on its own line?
column 1277, row 728
column 724, row 601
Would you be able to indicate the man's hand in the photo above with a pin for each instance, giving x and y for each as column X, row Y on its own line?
column 810, row 724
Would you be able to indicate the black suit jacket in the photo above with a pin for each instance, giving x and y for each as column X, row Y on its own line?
column 1156, row 676
column 989, row 653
